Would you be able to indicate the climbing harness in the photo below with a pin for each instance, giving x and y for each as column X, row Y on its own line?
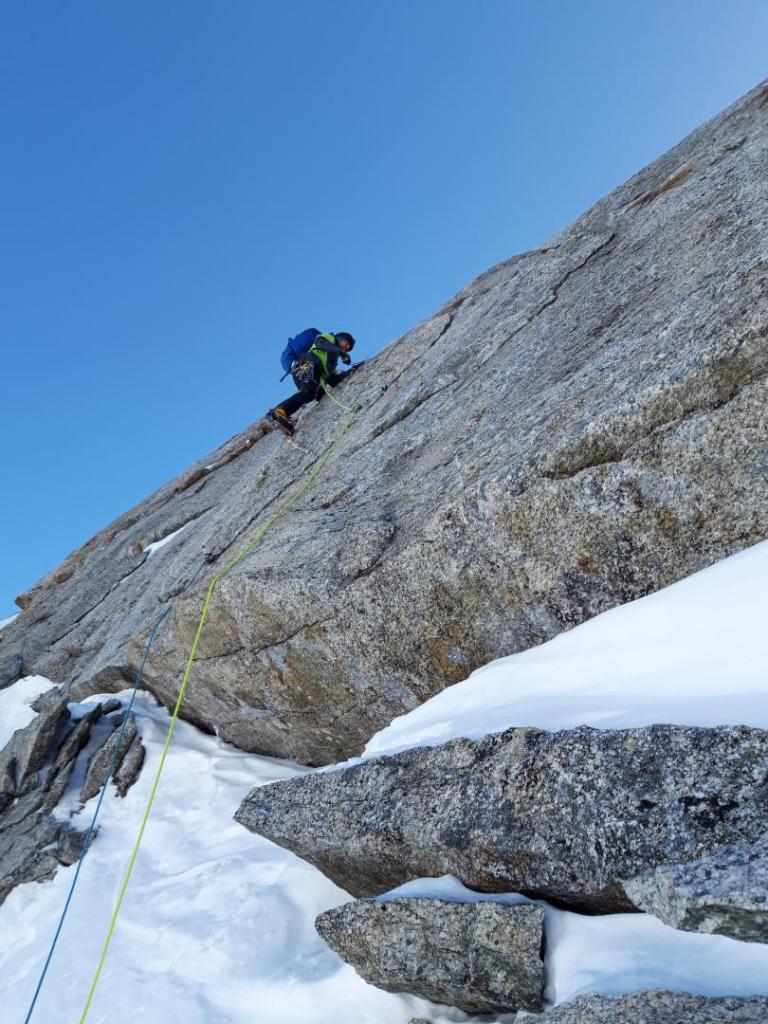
column 304, row 371
column 351, row 415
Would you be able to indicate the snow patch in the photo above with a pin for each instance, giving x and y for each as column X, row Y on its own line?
column 150, row 549
column 447, row 887
column 695, row 653
column 15, row 701
column 619, row 953
column 9, row 620
column 218, row 924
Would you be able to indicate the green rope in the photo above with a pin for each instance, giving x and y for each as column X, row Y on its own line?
column 312, row 476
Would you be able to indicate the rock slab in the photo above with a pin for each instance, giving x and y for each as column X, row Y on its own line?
column 479, row 957
column 565, row 816
column 725, row 893
column 583, row 424
column 656, row 1006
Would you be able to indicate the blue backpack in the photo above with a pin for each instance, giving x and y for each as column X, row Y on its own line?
column 297, row 346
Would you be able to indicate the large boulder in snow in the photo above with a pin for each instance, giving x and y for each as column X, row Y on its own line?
column 655, row 1006
column 480, row 957
column 582, row 425
column 29, row 748
column 565, row 816
column 725, row 893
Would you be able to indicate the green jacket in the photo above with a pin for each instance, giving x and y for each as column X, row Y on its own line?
column 326, row 353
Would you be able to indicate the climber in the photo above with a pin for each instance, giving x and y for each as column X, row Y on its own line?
column 312, row 372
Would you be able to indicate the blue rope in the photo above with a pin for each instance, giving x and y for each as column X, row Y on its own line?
column 91, row 827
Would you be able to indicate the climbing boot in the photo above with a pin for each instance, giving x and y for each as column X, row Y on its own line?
column 281, row 419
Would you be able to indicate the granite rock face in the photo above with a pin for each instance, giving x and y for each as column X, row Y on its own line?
column 479, row 957
column 725, row 893
column 655, row 1006
column 564, row 816
column 36, row 766
column 580, row 426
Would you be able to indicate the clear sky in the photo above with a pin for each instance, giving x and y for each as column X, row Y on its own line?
column 183, row 184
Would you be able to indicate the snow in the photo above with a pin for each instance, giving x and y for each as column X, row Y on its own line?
column 695, row 653
column 217, row 926
column 218, row 923
column 150, row 549
column 15, row 701
column 9, row 620
column 619, row 953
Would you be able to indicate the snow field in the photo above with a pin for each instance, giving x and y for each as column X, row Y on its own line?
column 217, row 927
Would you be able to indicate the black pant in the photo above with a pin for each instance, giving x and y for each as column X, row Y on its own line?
column 310, row 390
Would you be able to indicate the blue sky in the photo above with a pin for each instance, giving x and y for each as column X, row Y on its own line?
column 185, row 184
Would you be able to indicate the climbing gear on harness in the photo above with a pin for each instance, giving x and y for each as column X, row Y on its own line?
column 296, row 348
column 305, row 371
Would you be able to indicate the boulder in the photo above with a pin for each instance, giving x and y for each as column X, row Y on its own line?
column 583, row 424
column 56, row 781
column 127, row 762
column 480, row 957
column 29, row 748
column 725, row 893
column 565, row 816
column 130, row 766
column 655, row 1006
column 35, row 767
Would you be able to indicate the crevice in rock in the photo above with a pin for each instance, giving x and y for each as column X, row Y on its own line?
column 599, row 251
column 239, row 449
column 673, row 181
column 292, row 636
column 98, row 604
column 221, row 656
column 450, row 311
column 734, row 146
column 214, row 554
column 400, row 414
column 613, row 454
column 167, row 530
column 448, row 325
